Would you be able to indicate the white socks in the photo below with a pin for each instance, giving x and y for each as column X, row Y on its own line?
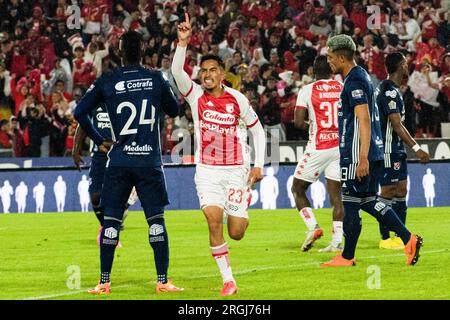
column 338, row 232
column 311, row 223
column 308, row 217
column 220, row 254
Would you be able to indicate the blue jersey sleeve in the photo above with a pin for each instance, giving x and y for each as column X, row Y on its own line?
column 87, row 104
column 169, row 101
column 356, row 93
column 390, row 102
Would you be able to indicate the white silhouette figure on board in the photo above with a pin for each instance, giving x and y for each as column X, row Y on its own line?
column 289, row 183
column 39, row 196
column 60, row 189
column 318, row 194
column 428, row 182
column 408, row 187
column 254, row 197
column 268, row 190
column 83, row 192
column 5, row 193
column 21, row 197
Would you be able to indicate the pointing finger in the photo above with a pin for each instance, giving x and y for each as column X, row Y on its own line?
column 186, row 16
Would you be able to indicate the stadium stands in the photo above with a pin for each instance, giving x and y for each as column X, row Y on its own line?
column 46, row 63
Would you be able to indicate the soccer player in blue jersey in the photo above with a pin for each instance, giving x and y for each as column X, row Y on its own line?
column 100, row 120
column 134, row 97
column 392, row 112
column 361, row 155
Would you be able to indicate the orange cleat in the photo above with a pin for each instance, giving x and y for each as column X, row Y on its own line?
column 167, row 287
column 338, row 261
column 229, row 288
column 412, row 249
column 101, row 288
column 311, row 237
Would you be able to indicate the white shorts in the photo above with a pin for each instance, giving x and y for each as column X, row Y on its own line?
column 313, row 163
column 224, row 188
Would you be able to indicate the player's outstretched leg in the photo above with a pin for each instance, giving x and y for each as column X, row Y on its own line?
column 302, row 203
column 159, row 241
column 400, row 207
column 219, row 248
column 386, row 216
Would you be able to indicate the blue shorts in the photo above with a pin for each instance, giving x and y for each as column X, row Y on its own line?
column 119, row 181
column 97, row 174
column 395, row 169
column 368, row 186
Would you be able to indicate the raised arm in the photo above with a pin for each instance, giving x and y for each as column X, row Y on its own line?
column 182, row 79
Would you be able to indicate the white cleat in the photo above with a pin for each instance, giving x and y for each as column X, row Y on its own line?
column 332, row 248
column 311, row 237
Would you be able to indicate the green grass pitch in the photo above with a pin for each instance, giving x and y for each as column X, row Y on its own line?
column 40, row 252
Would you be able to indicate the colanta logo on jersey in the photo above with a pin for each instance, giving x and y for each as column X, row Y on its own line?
column 219, row 118
column 134, row 85
column 136, row 149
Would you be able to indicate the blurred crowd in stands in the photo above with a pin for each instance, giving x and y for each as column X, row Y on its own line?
column 46, row 63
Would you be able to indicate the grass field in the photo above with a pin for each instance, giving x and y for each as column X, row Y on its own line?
column 38, row 252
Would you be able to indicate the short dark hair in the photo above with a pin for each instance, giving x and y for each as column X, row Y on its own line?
column 342, row 45
column 131, row 46
column 212, row 57
column 321, row 67
column 3, row 122
column 409, row 12
column 392, row 61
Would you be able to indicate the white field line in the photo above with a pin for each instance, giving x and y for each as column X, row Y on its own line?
column 243, row 271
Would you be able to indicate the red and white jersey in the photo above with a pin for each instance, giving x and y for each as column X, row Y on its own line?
column 221, row 126
column 322, row 100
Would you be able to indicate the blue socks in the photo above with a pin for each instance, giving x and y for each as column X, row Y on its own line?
column 158, row 239
column 108, row 242
column 384, row 231
column 385, row 216
column 352, row 225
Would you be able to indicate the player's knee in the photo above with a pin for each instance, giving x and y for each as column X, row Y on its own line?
column 236, row 234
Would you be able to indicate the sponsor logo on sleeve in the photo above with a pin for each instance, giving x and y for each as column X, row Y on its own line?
column 392, row 93
column 392, row 105
column 357, row 93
